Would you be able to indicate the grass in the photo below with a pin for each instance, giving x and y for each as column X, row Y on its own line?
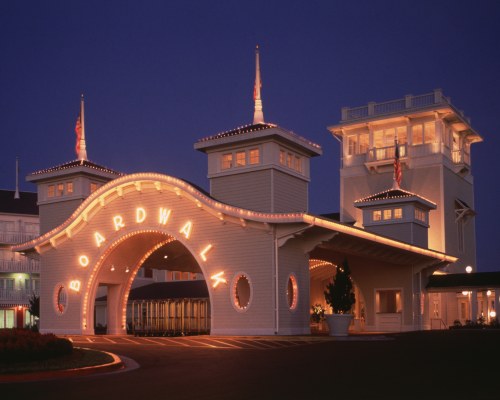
column 77, row 359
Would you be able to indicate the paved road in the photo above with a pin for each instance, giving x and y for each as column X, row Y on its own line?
column 445, row 365
column 205, row 341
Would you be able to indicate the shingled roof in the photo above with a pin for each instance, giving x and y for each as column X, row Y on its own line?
column 459, row 282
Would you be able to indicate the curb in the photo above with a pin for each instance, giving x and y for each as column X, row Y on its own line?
column 114, row 365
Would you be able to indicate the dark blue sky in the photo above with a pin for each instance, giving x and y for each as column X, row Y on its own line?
column 158, row 75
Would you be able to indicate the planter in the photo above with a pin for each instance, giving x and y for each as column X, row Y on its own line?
column 338, row 324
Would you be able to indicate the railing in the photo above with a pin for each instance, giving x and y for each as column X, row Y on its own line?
column 460, row 157
column 19, row 295
column 16, row 237
column 385, row 153
column 22, row 266
column 438, row 323
column 395, row 106
column 169, row 317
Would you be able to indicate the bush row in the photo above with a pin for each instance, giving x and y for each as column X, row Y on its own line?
column 19, row 345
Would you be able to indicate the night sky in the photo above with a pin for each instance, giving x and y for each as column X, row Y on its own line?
column 158, row 75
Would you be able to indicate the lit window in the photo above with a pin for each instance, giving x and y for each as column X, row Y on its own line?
column 289, row 160
column 240, row 158
column 377, row 215
column 60, row 189
column 292, row 292
column 51, row 191
column 401, row 132
column 254, row 156
column 298, row 164
column 241, row 292
column 364, row 143
column 387, row 214
column 93, row 187
column 227, row 161
column 416, row 135
column 282, row 157
column 420, row 214
column 429, row 132
column 69, row 187
column 398, row 213
column 351, row 144
column 388, row 301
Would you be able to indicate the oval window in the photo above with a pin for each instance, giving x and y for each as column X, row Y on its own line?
column 292, row 292
column 241, row 292
column 61, row 299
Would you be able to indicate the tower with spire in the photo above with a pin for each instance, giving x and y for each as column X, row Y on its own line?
column 261, row 166
column 61, row 189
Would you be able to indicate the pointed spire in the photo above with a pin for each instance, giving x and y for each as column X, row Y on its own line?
column 16, row 195
column 81, row 148
column 258, row 115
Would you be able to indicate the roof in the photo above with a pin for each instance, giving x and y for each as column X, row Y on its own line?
column 394, row 194
column 81, row 164
column 26, row 204
column 458, row 282
column 240, row 130
column 196, row 289
column 256, row 132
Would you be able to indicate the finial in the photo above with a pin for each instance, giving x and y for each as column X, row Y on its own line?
column 258, row 116
column 81, row 148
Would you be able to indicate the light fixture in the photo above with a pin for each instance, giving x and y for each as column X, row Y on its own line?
column 465, row 292
column 165, row 256
column 127, row 270
column 493, row 314
column 488, row 293
column 112, row 267
column 468, row 269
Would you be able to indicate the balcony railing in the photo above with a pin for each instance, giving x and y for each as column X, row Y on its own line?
column 385, row 153
column 23, row 266
column 460, row 157
column 19, row 295
column 16, row 237
column 405, row 104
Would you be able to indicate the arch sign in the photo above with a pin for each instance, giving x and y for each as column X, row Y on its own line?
column 110, row 236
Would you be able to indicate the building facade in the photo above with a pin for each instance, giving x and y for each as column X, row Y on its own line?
column 19, row 275
column 265, row 259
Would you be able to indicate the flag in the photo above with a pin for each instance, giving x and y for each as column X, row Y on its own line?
column 397, row 164
column 78, row 131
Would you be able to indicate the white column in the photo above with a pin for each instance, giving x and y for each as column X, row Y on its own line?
column 473, row 305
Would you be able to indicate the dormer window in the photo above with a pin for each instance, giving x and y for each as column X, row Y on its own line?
column 254, row 156
column 227, row 161
column 240, row 159
column 51, row 191
column 69, row 187
column 60, row 189
column 420, row 215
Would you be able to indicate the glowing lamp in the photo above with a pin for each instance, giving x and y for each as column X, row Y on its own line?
column 493, row 314
column 468, row 269
column 488, row 293
column 465, row 292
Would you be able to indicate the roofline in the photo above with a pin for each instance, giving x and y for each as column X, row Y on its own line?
column 108, row 192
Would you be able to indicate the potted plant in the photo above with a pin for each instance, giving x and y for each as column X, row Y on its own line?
column 339, row 295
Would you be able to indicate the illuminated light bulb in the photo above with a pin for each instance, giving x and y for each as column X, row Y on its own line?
column 112, row 268
column 465, row 292
column 127, row 270
column 488, row 293
column 468, row 269
column 493, row 314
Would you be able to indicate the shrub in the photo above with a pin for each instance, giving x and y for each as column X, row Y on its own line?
column 19, row 345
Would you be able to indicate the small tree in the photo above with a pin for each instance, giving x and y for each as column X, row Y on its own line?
column 34, row 307
column 339, row 294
